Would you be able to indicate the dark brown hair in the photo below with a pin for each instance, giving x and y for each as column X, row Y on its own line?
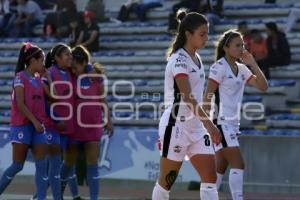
column 225, row 40
column 187, row 22
column 27, row 52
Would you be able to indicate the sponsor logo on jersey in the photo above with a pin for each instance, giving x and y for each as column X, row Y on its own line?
column 232, row 136
column 49, row 137
column 193, row 70
column 177, row 149
column 182, row 65
column 230, row 77
column 182, row 118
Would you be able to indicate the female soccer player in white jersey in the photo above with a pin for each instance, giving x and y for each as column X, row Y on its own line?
column 184, row 127
column 227, row 79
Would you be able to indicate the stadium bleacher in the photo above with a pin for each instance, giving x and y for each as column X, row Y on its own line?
column 134, row 51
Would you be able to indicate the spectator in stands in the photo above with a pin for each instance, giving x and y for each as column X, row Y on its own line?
column 244, row 30
column 215, row 13
column 4, row 12
column 8, row 17
column 76, row 24
column 89, row 35
column 258, row 48
column 57, row 23
column 29, row 14
column 294, row 15
column 278, row 48
column 96, row 6
column 189, row 5
column 139, row 7
column 49, row 4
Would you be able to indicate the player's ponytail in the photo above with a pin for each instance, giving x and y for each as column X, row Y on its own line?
column 225, row 40
column 27, row 52
column 99, row 69
column 187, row 22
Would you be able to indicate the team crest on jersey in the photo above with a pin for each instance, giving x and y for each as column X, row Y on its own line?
column 177, row 149
column 243, row 77
column 49, row 137
column 20, row 135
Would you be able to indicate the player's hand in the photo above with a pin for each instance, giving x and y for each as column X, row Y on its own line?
column 215, row 134
column 110, row 129
column 248, row 59
column 39, row 127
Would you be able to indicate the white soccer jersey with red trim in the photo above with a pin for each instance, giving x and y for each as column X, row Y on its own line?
column 181, row 64
column 230, row 91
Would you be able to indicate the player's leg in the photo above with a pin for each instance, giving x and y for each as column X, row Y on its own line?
column 222, row 166
column 169, row 171
column 54, row 158
column 21, row 139
column 172, row 153
column 202, row 157
column 39, row 152
column 231, row 152
column 92, row 151
column 68, row 172
column 19, row 157
column 235, row 159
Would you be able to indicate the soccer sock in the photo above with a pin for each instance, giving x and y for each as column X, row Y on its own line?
column 208, row 191
column 219, row 180
column 93, row 181
column 159, row 193
column 236, row 183
column 72, row 182
column 41, row 178
column 9, row 174
column 54, row 176
column 64, row 176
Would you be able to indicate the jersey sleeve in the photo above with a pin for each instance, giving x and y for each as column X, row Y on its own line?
column 18, row 81
column 216, row 73
column 247, row 74
column 179, row 66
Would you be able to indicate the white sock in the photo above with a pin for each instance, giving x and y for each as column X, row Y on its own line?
column 208, row 191
column 159, row 193
column 236, row 177
column 219, row 180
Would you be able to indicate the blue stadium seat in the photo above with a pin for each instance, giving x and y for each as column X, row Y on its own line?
column 154, row 83
column 140, row 82
column 285, row 116
column 252, row 99
column 276, row 83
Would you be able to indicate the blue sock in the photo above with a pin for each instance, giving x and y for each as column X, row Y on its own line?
column 41, row 178
column 64, row 175
column 54, row 176
column 9, row 174
column 72, row 182
column 93, row 181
